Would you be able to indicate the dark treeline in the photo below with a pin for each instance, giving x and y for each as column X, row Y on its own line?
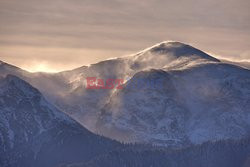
column 212, row 154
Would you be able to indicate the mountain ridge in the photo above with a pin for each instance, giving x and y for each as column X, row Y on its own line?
column 185, row 67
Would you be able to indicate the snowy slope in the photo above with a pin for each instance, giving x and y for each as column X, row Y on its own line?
column 204, row 103
column 35, row 133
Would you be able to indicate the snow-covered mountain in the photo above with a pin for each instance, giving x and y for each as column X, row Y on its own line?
column 35, row 133
column 84, row 104
column 198, row 98
column 206, row 102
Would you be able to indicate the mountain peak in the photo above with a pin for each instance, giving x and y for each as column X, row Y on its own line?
column 2, row 63
column 6, row 69
column 170, row 44
column 177, row 50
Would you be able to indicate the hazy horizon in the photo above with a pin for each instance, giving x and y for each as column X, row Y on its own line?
column 60, row 35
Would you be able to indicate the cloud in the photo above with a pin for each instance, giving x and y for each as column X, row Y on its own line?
column 114, row 27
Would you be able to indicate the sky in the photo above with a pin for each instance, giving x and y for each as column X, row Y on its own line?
column 57, row 35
